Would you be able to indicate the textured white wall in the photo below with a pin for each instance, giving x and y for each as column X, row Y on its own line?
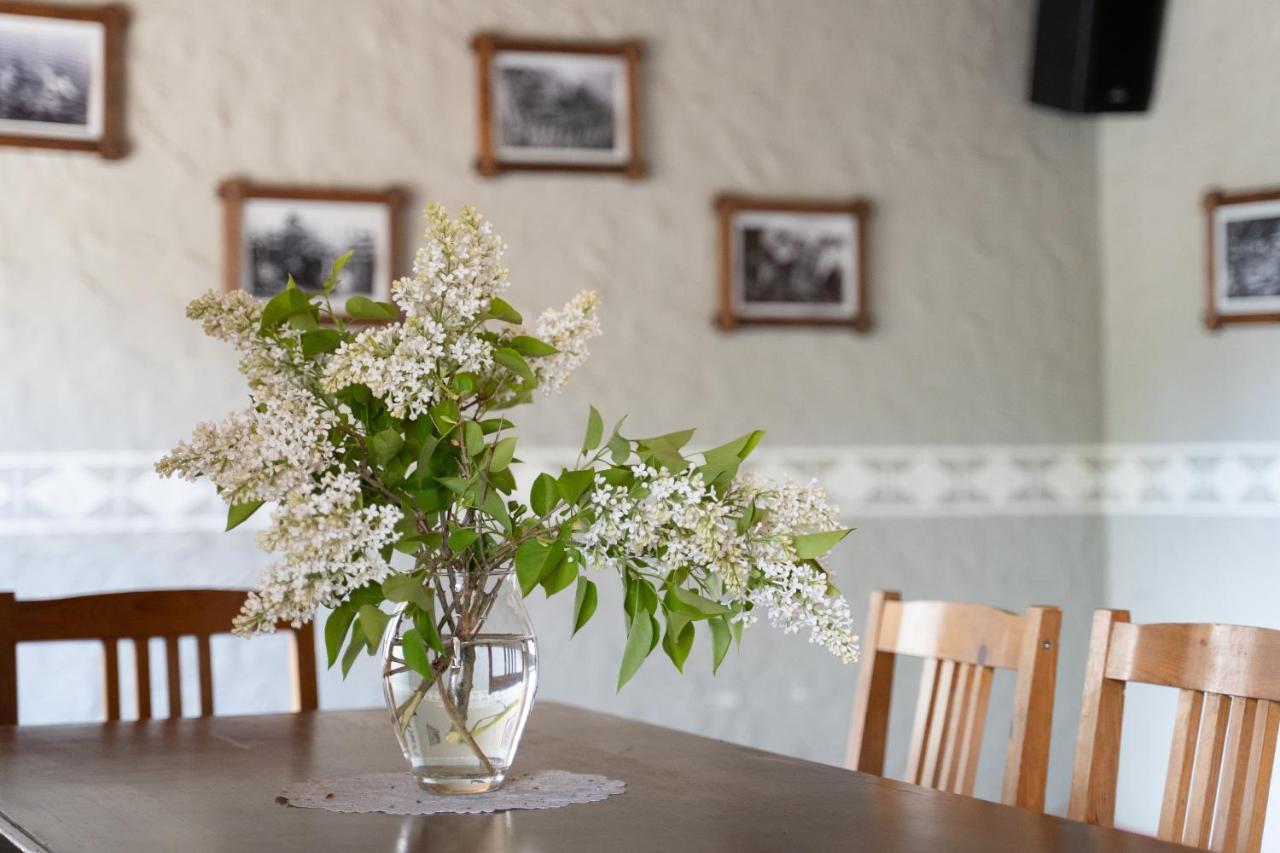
column 983, row 269
column 1215, row 122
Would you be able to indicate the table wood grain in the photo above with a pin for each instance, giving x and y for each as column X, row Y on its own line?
column 211, row 784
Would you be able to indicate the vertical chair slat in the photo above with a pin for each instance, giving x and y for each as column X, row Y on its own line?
column 1177, row 784
column 1235, row 769
column 111, row 679
column 1024, row 782
column 975, row 719
column 949, row 773
column 1097, row 766
column 142, row 667
column 938, row 728
column 174, row 676
column 205, row 663
column 8, row 660
column 302, row 665
column 1204, row 779
column 869, row 722
column 1257, row 783
column 920, row 728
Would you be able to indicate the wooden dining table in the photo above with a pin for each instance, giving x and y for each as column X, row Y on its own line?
column 212, row 785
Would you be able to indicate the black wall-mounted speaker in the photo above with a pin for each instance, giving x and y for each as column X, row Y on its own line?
column 1096, row 56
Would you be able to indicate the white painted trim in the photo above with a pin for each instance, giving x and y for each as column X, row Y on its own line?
column 104, row 492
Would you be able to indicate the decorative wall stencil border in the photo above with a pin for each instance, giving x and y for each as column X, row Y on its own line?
column 89, row 492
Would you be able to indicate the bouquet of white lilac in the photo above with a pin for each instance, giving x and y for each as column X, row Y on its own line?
column 392, row 437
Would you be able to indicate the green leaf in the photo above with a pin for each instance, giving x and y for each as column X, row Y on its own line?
column 499, row 309
column 364, row 308
column 336, row 628
column 691, row 602
column 619, row 449
column 673, row 440
column 463, row 383
column 374, row 623
column 496, row 508
column 733, row 451
column 385, row 445
column 424, row 620
column 331, row 280
column 639, row 643
column 503, row 451
column 445, row 416
column 532, row 347
column 285, row 304
column 415, row 654
column 595, row 431
column 304, row 321
column 492, row 425
column 545, row 494
column 573, row 483
column 460, row 539
column 810, row 546
column 720, row 636
column 513, row 361
column 356, row 646
column 320, row 340
column 678, row 641
column 559, row 575
column 401, row 588
column 238, row 514
column 472, row 438
column 530, row 558
column 584, row 604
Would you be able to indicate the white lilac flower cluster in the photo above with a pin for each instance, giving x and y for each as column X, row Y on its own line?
column 277, row 445
column 675, row 521
column 456, row 276
column 567, row 329
column 329, row 546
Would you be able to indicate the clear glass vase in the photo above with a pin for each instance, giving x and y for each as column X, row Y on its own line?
column 460, row 729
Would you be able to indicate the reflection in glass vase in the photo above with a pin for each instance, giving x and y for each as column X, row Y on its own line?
column 460, row 728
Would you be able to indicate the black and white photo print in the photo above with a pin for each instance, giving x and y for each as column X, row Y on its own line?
column 558, row 105
column 1244, row 243
column 792, row 262
column 278, row 232
column 59, row 76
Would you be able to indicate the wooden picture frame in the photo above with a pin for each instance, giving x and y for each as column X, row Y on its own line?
column 1242, row 240
column 104, row 103
column 496, row 156
column 851, row 306
column 240, row 213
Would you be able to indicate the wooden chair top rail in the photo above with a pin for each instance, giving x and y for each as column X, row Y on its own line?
column 977, row 634
column 119, row 615
column 1231, row 660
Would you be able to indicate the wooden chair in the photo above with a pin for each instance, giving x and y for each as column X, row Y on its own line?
column 138, row 616
column 963, row 645
column 1224, row 736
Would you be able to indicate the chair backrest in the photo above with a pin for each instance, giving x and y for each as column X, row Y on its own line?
column 963, row 645
column 138, row 616
column 1224, row 736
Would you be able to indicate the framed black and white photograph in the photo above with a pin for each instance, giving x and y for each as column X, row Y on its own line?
column 793, row 262
column 1243, row 282
column 61, row 77
column 558, row 106
column 274, row 232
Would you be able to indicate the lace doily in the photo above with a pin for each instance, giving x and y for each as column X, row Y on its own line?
column 400, row 794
